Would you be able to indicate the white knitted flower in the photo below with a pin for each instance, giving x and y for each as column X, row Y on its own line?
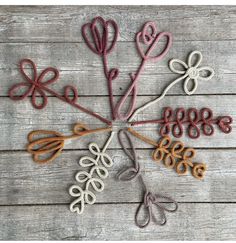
column 192, row 71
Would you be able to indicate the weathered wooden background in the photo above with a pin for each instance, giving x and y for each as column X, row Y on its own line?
column 34, row 198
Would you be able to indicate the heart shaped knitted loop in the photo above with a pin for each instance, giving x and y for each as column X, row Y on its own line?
column 193, row 118
column 91, row 182
column 224, row 124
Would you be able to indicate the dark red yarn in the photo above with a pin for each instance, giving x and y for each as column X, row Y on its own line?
column 99, row 44
column 101, row 47
column 193, row 118
column 38, row 88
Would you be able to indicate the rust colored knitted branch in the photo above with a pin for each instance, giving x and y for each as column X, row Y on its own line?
column 37, row 87
column 149, row 199
column 194, row 120
column 175, row 156
column 52, row 145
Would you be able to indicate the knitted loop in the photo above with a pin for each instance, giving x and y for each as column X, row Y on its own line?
column 89, row 197
column 101, row 171
column 170, row 158
column 131, row 172
column 96, row 183
column 113, row 74
column 148, row 219
column 175, row 156
column 98, row 166
column 182, row 166
column 224, row 124
column 105, row 158
column 151, row 40
column 34, row 84
column 80, row 129
column 189, row 153
column 78, row 204
column 134, row 171
column 177, row 69
column 149, row 33
column 177, row 149
column 190, row 72
column 193, row 118
column 161, row 150
column 167, row 115
column 99, row 43
column 82, row 176
column 198, row 170
column 37, row 87
column 149, row 37
column 52, row 145
column 151, row 199
column 197, row 55
column 70, row 89
column 177, row 129
column 206, row 117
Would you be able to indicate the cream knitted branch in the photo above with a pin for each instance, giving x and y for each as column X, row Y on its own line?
column 98, row 165
column 190, row 72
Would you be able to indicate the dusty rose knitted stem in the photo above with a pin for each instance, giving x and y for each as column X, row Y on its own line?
column 37, row 87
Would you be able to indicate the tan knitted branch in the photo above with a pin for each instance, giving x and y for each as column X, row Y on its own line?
column 175, row 156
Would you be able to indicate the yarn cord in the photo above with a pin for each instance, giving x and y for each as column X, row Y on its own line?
column 53, row 145
column 149, row 198
column 150, row 40
column 99, row 165
column 36, row 87
column 132, row 89
column 190, row 71
column 194, row 120
column 175, row 157
column 144, row 107
column 101, row 47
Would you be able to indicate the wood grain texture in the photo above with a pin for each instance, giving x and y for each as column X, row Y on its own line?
column 63, row 24
column 77, row 56
column 149, row 83
column 110, row 221
column 22, row 118
column 34, row 198
column 25, row 182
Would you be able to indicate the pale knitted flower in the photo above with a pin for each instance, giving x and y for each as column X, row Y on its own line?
column 192, row 71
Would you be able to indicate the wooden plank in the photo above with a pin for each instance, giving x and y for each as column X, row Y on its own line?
column 63, row 23
column 149, row 84
column 23, row 181
column 78, row 56
column 18, row 119
column 116, row 222
column 43, row 33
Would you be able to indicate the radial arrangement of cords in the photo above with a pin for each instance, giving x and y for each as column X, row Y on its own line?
column 167, row 151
